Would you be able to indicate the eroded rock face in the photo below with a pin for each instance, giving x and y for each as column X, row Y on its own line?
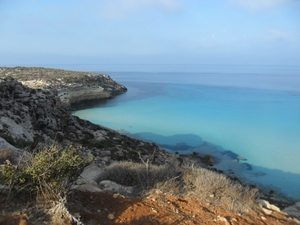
column 71, row 86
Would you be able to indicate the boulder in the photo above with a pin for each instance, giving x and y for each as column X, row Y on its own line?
column 9, row 152
column 293, row 210
column 110, row 186
column 87, row 188
column 266, row 205
column 16, row 130
column 89, row 175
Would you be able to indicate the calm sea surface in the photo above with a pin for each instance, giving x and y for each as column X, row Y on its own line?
column 254, row 113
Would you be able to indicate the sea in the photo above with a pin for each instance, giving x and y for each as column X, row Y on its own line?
column 246, row 117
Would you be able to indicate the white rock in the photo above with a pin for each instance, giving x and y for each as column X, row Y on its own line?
column 86, row 188
column 267, row 211
column 110, row 216
column 110, row 186
column 89, row 174
column 223, row 219
column 267, row 205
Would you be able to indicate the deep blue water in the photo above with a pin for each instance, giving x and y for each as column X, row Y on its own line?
column 254, row 114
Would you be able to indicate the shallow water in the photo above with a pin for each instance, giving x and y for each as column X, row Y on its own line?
column 256, row 116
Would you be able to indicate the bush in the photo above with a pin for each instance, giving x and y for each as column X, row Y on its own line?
column 187, row 181
column 140, row 176
column 217, row 189
column 47, row 173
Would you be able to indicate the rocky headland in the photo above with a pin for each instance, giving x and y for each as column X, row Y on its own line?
column 71, row 86
column 34, row 111
column 29, row 117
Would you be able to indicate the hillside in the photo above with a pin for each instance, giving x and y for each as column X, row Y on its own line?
column 71, row 86
column 126, row 181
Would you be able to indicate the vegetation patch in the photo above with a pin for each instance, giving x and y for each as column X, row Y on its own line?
column 46, row 174
column 186, row 181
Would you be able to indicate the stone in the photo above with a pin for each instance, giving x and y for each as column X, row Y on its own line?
column 267, row 211
column 87, row 188
column 11, row 153
column 99, row 135
column 265, row 204
column 223, row 219
column 293, row 210
column 90, row 173
column 17, row 131
column 110, row 216
column 110, row 186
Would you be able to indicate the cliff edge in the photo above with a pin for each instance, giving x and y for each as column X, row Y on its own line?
column 71, row 86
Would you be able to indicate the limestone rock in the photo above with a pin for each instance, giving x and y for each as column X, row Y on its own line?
column 32, row 116
column 87, row 188
column 223, row 219
column 266, row 205
column 72, row 86
column 17, row 130
column 89, row 174
column 110, row 186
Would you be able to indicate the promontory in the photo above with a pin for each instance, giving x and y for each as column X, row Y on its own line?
column 71, row 86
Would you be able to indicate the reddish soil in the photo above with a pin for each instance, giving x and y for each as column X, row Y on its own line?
column 157, row 208
column 162, row 209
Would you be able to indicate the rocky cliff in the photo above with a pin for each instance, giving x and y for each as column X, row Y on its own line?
column 71, row 86
column 29, row 117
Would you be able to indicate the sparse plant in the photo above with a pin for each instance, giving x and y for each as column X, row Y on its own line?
column 46, row 174
column 141, row 177
column 200, row 183
column 217, row 189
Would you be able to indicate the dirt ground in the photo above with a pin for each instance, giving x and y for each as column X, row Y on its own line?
column 157, row 208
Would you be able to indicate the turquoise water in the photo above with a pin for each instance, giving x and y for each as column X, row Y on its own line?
column 256, row 116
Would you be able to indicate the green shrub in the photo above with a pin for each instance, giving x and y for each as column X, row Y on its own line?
column 47, row 173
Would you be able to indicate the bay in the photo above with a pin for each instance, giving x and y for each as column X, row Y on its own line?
column 254, row 115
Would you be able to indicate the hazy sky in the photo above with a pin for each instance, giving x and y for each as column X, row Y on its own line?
column 251, row 32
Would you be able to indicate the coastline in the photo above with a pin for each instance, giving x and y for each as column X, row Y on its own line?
column 45, row 116
column 125, row 108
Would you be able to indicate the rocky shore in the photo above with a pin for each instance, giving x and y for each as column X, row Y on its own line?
column 34, row 111
column 71, row 86
column 31, row 117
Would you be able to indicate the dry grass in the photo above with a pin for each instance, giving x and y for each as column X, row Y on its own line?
column 208, row 186
column 143, row 178
column 61, row 215
column 217, row 189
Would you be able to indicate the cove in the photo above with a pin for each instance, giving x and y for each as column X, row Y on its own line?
column 257, row 121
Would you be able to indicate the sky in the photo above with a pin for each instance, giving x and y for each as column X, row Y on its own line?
column 214, row 32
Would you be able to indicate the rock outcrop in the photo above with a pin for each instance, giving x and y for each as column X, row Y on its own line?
column 71, row 86
column 293, row 210
column 29, row 117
